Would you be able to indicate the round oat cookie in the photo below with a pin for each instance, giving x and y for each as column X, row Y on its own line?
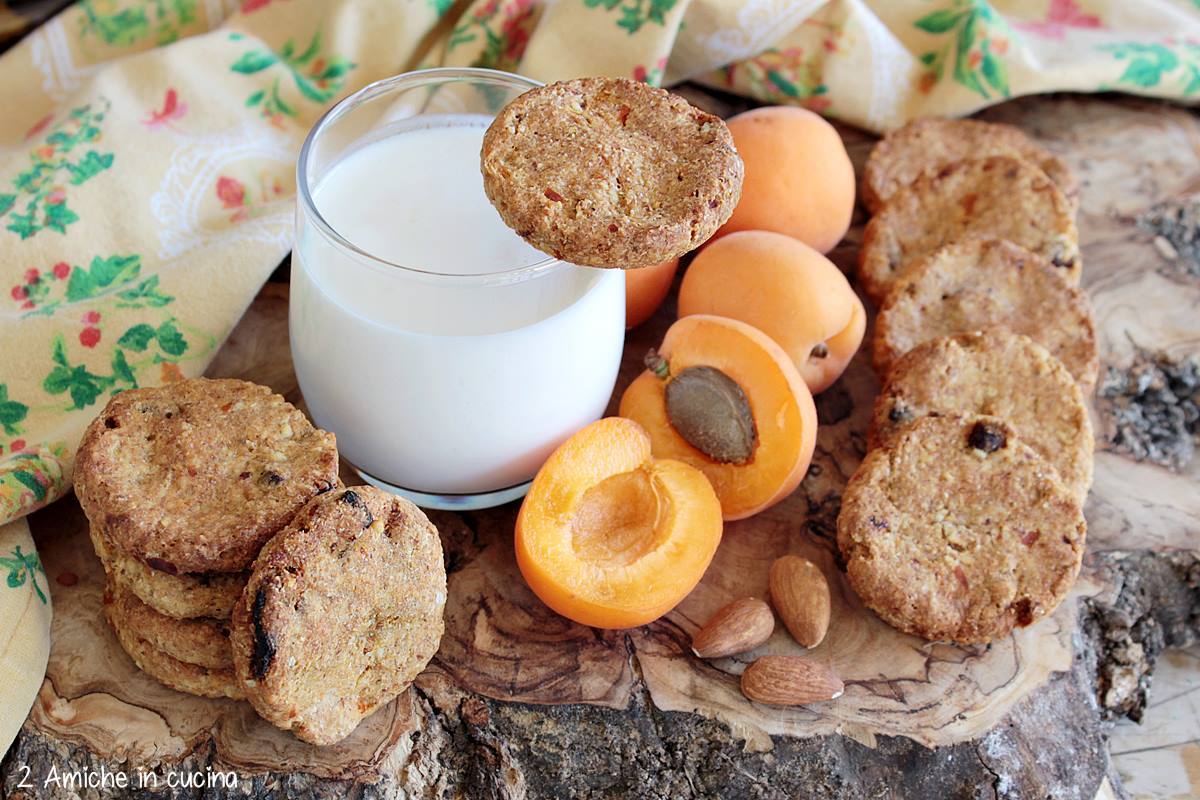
column 203, row 642
column 957, row 531
column 973, row 285
column 996, row 373
column 183, row 596
column 194, row 476
column 178, row 675
column 927, row 145
column 610, row 172
column 343, row 609
column 991, row 198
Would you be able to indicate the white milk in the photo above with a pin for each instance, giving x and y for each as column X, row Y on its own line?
column 458, row 383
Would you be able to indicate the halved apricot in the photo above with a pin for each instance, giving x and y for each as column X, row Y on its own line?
column 752, row 464
column 612, row 537
column 787, row 290
column 645, row 289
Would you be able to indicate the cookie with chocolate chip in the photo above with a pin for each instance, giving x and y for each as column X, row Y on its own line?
column 999, row 197
column 610, row 172
column 194, row 476
column 202, row 642
column 926, row 145
column 1001, row 374
column 975, row 284
column 958, row 531
column 342, row 610
column 181, row 595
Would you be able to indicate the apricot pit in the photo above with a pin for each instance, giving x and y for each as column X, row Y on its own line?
column 753, row 441
column 710, row 411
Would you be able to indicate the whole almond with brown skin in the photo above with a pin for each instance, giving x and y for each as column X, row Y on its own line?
column 740, row 626
column 801, row 596
column 790, row 681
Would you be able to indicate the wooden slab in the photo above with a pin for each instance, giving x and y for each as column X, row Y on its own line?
column 520, row 702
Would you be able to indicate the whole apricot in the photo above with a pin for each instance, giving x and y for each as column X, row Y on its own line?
column 788, row 291
column 645, row 289
column 799, row 179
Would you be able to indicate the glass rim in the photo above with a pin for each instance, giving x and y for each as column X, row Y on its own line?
column 410, row 80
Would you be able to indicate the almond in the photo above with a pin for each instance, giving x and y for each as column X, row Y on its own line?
column 790, row 681
column 801, row 596
column 740, row 626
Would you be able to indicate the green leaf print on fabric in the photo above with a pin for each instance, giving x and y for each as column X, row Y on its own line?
column 317, row 78
column 504, row 26
column 792, row 75
column 31, row 483
column 42, row 186
column 162, row 19
column 939, row 21
column 251, row 63
column 114, row 278
column 1151, row 65
column 30, row 476
column 976, row 51
column 102, row 274
column 170, row 339
column 12, row 413
column 138, row 338
column 84, row 386
column 635, row 14
column 23, row 567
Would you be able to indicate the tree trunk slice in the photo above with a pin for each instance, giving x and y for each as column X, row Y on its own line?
column 522, row 703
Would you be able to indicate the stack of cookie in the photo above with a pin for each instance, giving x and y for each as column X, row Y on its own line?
column 182, row 486
column 965, row 518
column 238, row 566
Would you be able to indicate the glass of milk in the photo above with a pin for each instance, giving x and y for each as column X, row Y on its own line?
column 447, row 355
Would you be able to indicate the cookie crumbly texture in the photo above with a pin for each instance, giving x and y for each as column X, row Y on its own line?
column 927, row 145
column 343, row 609
column 991, row 198
column 178, row 675
column 183, row 596
column 973, row 285
column 202, row 642
column 957, row 531
column 195, row 476
column 996, row 373
column 610, row 172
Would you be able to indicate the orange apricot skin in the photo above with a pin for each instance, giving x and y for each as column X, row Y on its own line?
column 783, row 408
column 799, row 179
column 645, row 290
column 787, row 290
column 608, row 447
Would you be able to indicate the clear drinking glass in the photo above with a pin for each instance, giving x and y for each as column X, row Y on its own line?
column 448, row 388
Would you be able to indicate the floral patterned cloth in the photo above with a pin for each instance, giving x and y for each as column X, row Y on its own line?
column 147, row 147
column 24, row 627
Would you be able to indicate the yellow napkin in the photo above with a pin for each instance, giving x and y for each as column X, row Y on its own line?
column 147, row 148
column 24, row 627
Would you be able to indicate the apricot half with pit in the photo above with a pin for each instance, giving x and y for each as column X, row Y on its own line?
column 787, row 290
column 722, row 396
column 611, row 536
